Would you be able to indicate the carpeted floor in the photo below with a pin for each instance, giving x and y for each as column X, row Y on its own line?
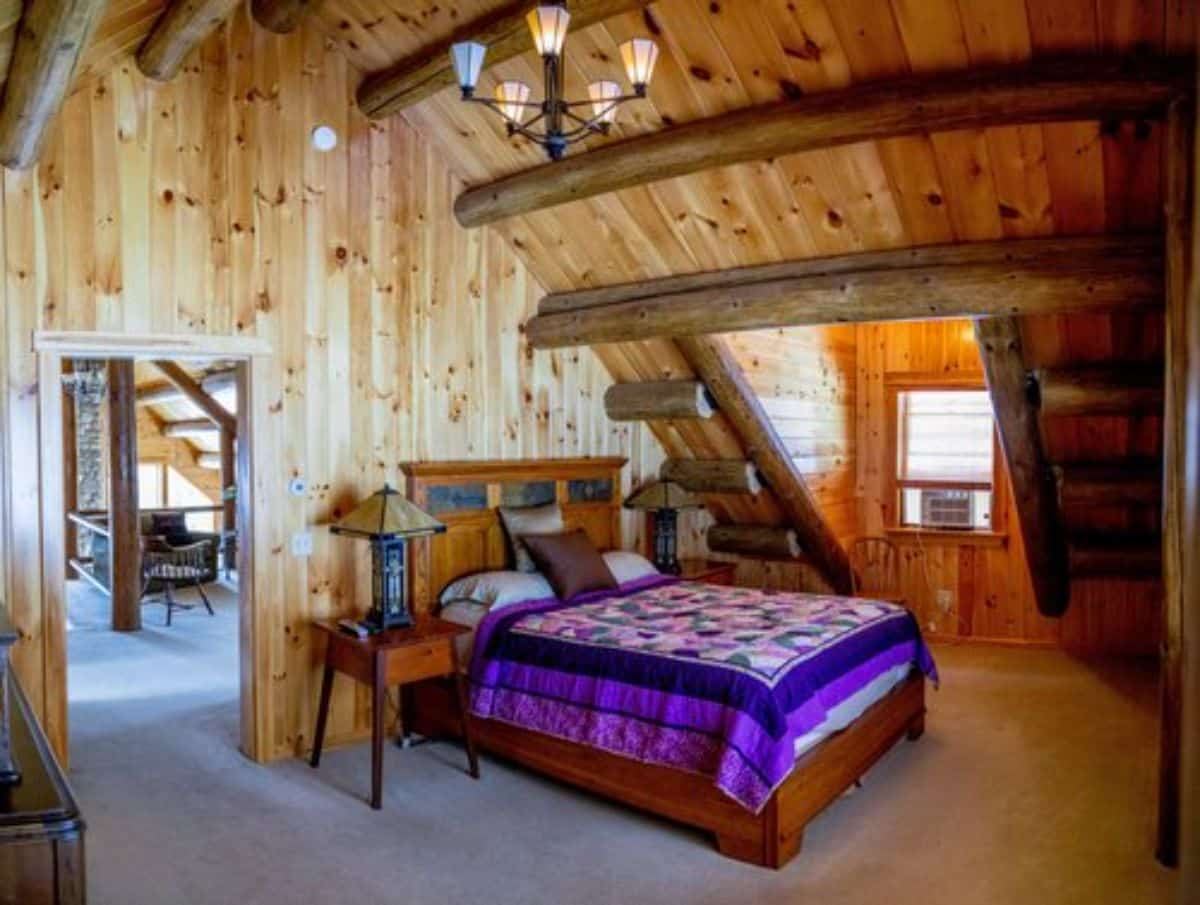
column 1034, row 783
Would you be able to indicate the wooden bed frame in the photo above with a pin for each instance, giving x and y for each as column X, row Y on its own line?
column 464, row 495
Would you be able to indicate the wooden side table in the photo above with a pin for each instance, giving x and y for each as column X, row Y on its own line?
column 396, row 657
column 713, row 571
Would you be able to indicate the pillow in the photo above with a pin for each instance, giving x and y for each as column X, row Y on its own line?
column 626, row 566
column 545, row 519
column 496, row 589
column 570, row 563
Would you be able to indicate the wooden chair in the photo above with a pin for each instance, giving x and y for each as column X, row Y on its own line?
column 876, row 569
column 170, row 566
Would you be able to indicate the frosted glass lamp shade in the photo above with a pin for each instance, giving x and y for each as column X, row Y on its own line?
column 603, row 95
column 639, row 56
column 467, row 57
column 511, row 97
column 548, row 24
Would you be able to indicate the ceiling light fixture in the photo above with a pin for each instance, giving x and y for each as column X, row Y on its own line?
column 554, row 124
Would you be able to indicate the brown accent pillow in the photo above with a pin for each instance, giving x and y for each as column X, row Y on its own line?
column 570, row 563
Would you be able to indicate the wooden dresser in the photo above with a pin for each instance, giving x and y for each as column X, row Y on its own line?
column 41, row 830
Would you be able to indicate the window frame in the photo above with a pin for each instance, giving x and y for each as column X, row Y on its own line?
column 894, row 385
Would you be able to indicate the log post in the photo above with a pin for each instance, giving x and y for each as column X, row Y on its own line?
column 713, row 362
column 658, row 400
column 1033, row 483
column 50, row 41
column 123, row 525
column 1181, row 459
column 755, row 541
column 181, row 28
column 712, row 475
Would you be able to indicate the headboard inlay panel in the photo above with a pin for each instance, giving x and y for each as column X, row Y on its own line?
column 465, row 496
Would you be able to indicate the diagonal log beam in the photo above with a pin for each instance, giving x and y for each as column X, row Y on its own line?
column 195, row 394
column 715, row 364
column 1043, row 92
column 1033, row 484
column 182, row 27
column 1011, row 276
column 50, row 41
column 282, row 16
column 503, row 31
column 167, row 392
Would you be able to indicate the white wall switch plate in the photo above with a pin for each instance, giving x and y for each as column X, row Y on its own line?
column 945, row 598
column 302, row 544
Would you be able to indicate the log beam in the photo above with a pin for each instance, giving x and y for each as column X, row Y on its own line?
column 50, row 41
column 713, row 362
column 712, row 475
column 1005, row 277
column 1044, row 92
column 504, row 33
column 1101, row 486
column 658, row 400
column 1032, row 481
column 282, row 16
column 1132, row 558
column 754, row 541
column 1101, row 391
column 208, row 460
column 167, row 392
column 194, row 427
column 183, row 26
column 124, row 532
column 194, row 393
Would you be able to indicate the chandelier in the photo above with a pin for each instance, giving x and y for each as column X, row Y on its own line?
column 555, row 122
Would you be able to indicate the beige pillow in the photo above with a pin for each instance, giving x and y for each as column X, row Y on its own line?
column 529, row 520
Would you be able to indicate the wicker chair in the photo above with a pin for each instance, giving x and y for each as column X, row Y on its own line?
column 167, row 567
column 876, row 569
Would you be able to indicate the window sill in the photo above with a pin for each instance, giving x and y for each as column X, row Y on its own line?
column 948, row 537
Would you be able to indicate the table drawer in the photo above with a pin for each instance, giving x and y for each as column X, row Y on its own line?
column 420, row 661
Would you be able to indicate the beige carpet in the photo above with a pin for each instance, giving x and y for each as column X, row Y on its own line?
column 1033, row 784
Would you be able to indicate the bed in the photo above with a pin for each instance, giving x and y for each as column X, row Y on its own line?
column 728, row 709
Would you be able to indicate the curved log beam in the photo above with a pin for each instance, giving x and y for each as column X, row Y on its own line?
column 50, row 41
column 503, row 31
column 182, row 27
column 1069, row 90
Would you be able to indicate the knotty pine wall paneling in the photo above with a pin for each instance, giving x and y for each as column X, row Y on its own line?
column 199, row 207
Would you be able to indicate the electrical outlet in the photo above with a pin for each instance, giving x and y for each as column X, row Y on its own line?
column 302, row 544
column 945, row 598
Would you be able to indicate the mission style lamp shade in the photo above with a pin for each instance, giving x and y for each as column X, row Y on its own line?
column 664, row 499
column 388, row 521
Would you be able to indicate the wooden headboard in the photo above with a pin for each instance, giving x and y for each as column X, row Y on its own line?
column 465, row 496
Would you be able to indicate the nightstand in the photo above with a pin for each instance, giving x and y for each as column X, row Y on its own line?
column 396, row 657
column 712, row 571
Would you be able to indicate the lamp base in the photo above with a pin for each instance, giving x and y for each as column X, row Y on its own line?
column 382, row 622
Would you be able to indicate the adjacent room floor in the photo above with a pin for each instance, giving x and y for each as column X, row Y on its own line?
column 1033, row 783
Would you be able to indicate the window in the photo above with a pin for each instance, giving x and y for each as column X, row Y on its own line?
column 151, row 481
column 182, row 493
column 945, row 458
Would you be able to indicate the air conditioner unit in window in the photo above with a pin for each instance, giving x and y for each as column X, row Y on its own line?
column 947, row 509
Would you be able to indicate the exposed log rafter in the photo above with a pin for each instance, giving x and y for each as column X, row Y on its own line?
column 713, row 362
column 1004, row 277
column 1043, row 92
column 195, row 394
column 427, row 72
column 1101, row 391
column 182, row 27
column 50, row 40
column 755, row 541
column 282, row 16
column 658, row 399
column 1033, row 482
column 712, row 475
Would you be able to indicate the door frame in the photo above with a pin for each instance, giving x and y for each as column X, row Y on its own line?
column 252, row 356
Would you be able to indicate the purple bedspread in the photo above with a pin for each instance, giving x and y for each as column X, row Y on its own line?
column 717, row 680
